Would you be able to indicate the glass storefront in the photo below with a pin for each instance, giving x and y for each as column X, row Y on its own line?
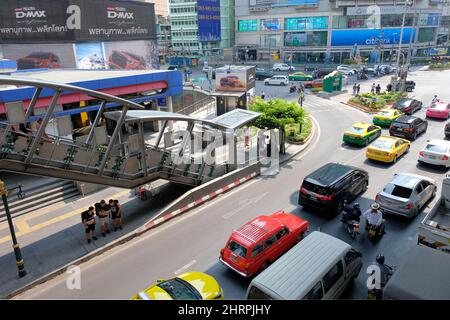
column 302, row 39
column 270, row 40
column 361, row 22
column 271, row 24
column 310, row 23
column 426, row 34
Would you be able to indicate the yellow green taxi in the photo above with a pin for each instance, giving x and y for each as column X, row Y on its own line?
column 361, row 133
column 187, row 286
column 387, row 149
column 385, row 117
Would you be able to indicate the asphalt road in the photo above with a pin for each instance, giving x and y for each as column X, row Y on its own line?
column 193, row 241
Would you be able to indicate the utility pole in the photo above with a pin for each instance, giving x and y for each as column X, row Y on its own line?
column 19, row 260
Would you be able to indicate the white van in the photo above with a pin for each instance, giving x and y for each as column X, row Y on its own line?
column 319, row 267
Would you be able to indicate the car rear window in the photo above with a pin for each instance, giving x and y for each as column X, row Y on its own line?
column 315, row 188
column 398, row 191
column 384, row 113
column 436, row 148
column 356, row 130
column 438, row 106
column 256, row 294
column 237, row 249
column 179, row 289
column 401, row 125
column 382, row 144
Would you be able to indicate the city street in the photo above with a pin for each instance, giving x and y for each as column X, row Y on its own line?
column 193, row 241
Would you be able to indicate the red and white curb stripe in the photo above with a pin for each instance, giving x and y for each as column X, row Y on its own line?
column 198, row 202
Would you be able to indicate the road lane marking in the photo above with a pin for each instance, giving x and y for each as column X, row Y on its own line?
column 25, row 228
column 185, row 267
column 242, row 204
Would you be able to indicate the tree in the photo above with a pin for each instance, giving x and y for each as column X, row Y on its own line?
column 276, row 114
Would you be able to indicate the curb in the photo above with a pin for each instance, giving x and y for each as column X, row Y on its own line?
column 150, row 225
column 212, row 195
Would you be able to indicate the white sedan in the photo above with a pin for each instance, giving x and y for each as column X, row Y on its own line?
column 345, row 70
column 436, row 152
column 277, row 81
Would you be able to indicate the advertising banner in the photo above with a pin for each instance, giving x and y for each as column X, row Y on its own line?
column 209, row 20
column 29, row 21
column 40, row 56
column 235, row 78
column 307, row 23
column 271, row 24
column 255, row 4
column 370, row 37
column 132, row 55
column 90, row 55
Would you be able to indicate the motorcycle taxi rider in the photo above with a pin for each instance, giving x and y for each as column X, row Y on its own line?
column 374, row 217
column 352, row 213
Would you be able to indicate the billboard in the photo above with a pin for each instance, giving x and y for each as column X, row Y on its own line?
column 271, row 24
column 132, row 55
column 90, row 55
column 40, row 56
column 307, row 23
column 29, row 21
column 258, row 4
column 370, row 37
column 208, row 20
column 235, row 78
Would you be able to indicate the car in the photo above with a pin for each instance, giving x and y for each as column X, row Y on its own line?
column 408, row 106
column 187, row 286
column 262, row 75
column 231, row 81
column 121, row 60
column 282, row 67
column 436, row 152
column 385, row 117
column 408, row 127
column 346, row 70
column 277, row 81
column 406, row 194
column 322, row 73
column 300, row 76
column 439, row 110
column 328, row 187
column 254, row 246
column 447, row 130
column 387, row 149
column 317, row 83
column 361, row 133
column 37, row 60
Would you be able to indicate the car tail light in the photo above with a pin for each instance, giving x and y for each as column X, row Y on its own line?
column 324, row 198
column 409, row 205
column 377, row 198
column 444, row 158
column 421, row 153
column 409, row 129
column 221, row 252
column 303, row 190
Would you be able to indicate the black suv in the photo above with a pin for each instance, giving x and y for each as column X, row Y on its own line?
column 408, row 127
column 328, row 187
column 263, row 75
column 408, row 106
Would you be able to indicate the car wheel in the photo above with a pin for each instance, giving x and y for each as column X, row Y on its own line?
column 416, row 211
column 300, row 237
column 266, row 83
column 395, row 159
column 407, row 149
column 264, row 266
column 366, row 142
column 365, row 186
column 415, row 135
column 434, row 193
column 277, row 69
column 284, row 84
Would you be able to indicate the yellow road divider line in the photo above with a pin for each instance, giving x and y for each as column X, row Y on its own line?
column 24, row 227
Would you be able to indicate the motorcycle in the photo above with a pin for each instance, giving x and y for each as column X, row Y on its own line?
column 373, row 232
column 351, row 225
column 362, row 76
column 377, row 294
column 292, row 89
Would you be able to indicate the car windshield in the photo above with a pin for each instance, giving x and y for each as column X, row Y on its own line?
column 436, row 148
column 398, row 191
column 315, row 188
column 237, row 249
column 384, row 113
column 179, row 289
column 438, row 106
column 382, row 144
column 403, row 103
column 356, row 130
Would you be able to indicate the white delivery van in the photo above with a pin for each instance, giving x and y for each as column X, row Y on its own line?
column 319, row 267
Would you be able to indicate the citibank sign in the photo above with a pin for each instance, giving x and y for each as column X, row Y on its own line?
column 370, row 37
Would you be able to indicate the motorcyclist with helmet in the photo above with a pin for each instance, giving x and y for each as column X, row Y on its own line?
column 385, row 273
column 351, row 212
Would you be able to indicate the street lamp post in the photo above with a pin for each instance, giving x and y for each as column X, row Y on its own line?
column 19, row 260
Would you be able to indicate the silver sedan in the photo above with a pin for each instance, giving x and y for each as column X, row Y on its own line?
column 406, row 194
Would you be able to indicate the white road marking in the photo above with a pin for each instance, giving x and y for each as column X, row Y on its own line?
column 242, row 204
column 185, row 267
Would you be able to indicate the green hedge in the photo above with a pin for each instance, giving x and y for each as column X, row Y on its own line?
column 440, row 65
column 317, row 89
column 382, row 99
column 292, row 130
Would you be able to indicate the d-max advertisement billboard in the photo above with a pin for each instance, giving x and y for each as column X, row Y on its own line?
column 235, row 78
column 75, row 20
column 209, row 20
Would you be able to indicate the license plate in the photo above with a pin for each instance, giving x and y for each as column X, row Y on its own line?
column 233, row 257
column 378, row 153
column 313, row 197
column 431, row 157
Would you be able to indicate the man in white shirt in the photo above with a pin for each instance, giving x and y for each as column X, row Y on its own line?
column 374, row 217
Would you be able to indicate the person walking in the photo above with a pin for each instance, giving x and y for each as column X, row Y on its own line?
column 103, row 214
column 354, row 89
column 358, row 88
column 263, row 95
column 378, row 89
column 301, row 98
column 246, row 137
column 88, row 219
column 372, row 89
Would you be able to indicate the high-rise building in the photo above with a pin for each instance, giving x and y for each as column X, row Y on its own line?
column 334, row 31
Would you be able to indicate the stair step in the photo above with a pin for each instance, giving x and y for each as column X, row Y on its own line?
column 47, row 203
column 32, row 203
column 38, row 190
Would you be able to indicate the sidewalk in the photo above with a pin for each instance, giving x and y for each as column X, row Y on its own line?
column 54, row 237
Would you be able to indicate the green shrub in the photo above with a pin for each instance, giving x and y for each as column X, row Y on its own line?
column 317, row 89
